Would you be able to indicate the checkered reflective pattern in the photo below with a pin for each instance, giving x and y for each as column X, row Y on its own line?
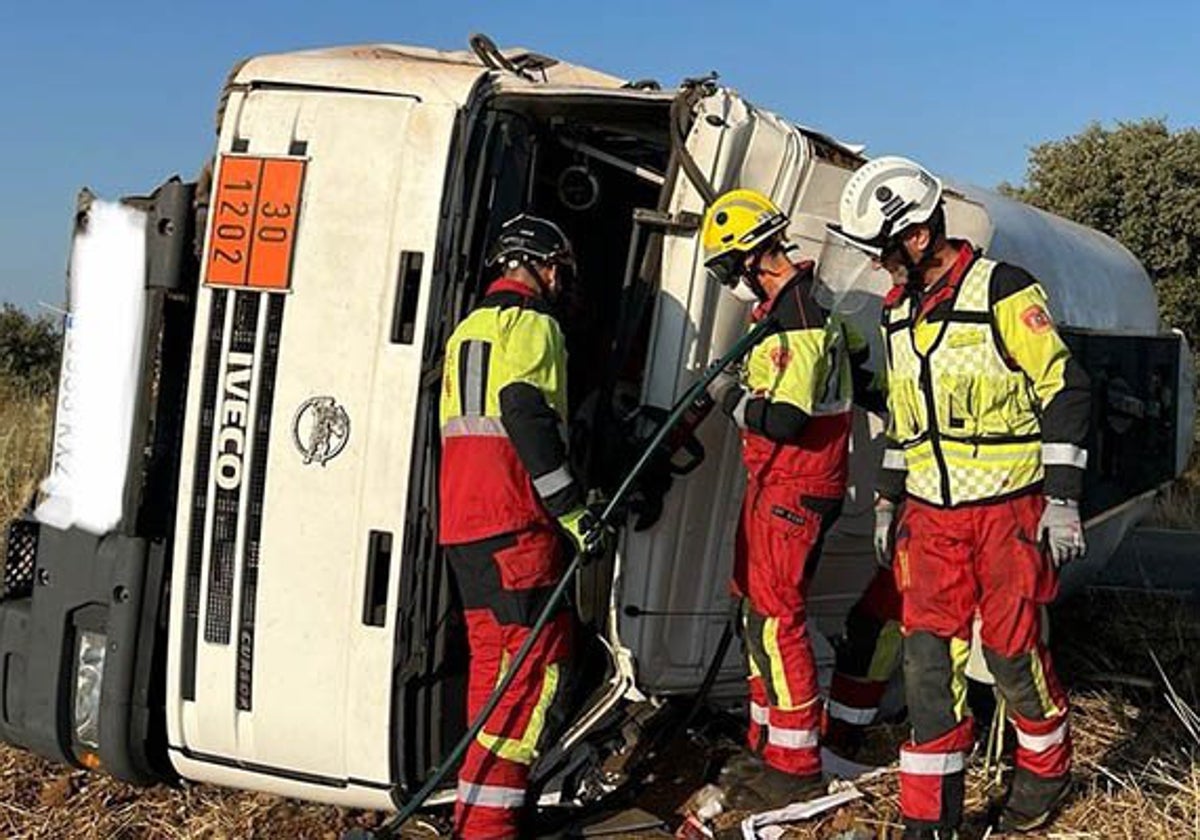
column 965, row 355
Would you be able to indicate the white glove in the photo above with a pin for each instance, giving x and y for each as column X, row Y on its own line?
column 885, row 512
column 1060, row 532
column 721, row 385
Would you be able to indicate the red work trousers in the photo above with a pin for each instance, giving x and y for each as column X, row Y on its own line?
column 867, row 659
column 951, row 564
column 778, row 546
column 504, row 582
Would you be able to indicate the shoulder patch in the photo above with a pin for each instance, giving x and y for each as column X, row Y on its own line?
column 1036, row 319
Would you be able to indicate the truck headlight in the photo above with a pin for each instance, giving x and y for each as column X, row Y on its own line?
column 89, row 676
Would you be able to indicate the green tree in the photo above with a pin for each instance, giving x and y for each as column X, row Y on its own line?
column 29, row 348
column 1140, row 183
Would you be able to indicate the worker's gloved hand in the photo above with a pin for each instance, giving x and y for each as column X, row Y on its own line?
column 587, row 533
column 729, row 394
column 1060, row 532
column 885, row 513
column 722, row 386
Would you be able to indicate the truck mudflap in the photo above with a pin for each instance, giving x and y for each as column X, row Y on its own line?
column 82, row 614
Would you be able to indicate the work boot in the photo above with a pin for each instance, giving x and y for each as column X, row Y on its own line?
column 1033, row 802
column 770, row 788
column 844, row 739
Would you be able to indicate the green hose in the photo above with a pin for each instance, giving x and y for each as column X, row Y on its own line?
column 739, row 349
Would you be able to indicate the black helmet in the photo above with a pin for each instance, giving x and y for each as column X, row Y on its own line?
column 525, row 237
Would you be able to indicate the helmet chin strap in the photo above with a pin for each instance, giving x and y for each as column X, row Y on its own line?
column 532, row 267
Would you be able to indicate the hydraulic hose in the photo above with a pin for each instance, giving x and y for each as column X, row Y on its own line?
column 407, row 809
column 681, row 111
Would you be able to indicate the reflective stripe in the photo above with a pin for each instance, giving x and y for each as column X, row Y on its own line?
column 931, row 764
column 1049, row 708
column 473, row 427
column 840, row 711
column 779, row 683
column 550, row 483
column 1041, row 743
column 893, row 459
column 792, row 739
column 474, row 378
column 758, row 714
column 960, row 652
column 1064, row 455
column 490, row 796
column 523, row 750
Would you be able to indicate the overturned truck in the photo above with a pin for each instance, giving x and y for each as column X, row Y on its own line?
column 232, row 574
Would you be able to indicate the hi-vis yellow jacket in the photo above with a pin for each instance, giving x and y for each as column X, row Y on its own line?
column 503, row 416
column 984, row 399
column 798, row 387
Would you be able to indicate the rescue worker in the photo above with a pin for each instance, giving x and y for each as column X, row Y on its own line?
column 507, row 496
column 793, row 406
column 986, row 450
column 868, row 655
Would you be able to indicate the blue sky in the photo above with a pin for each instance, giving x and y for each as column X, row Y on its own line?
column 119, row 95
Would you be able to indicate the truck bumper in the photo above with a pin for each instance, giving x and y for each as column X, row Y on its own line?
column 63, row 630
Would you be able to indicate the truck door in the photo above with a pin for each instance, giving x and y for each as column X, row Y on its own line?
column 672, row 586
column 323, row 219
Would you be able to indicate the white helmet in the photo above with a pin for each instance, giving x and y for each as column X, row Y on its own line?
column 883, row 198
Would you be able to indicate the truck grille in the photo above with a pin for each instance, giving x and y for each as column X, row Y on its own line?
column 228, row 427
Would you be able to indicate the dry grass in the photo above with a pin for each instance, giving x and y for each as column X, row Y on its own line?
column 1137, row 765
column 1137, row 768
column 25, row 421
column 40, row 800
column 1178, row 506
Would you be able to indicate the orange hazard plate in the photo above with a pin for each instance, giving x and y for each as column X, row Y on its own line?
column 254, row 214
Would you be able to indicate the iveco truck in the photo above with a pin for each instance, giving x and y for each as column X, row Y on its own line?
column 231, row 573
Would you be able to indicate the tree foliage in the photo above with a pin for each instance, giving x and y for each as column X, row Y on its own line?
column 29, row 348
column 1140, row 183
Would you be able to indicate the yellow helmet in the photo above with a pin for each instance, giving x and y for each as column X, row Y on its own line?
column 738, row 222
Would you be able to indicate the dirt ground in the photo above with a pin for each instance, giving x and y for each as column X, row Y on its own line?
column 1137, row 766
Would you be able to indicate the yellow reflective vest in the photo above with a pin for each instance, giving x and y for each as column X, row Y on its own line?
column 798, row 388
column 503, row 416
column 984, row 399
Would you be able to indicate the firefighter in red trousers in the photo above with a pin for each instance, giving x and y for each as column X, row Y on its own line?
column 793, row 405
column 507, row 498
column 988, row 421
column 867, row 658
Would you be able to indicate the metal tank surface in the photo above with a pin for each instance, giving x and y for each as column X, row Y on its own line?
column 1094, row 282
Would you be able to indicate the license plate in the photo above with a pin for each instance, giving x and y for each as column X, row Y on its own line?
column 254, row 212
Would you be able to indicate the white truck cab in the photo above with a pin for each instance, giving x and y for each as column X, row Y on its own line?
column 265, row 604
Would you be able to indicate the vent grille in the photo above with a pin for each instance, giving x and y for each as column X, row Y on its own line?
column 20, row 559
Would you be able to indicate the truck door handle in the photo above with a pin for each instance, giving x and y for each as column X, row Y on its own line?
column 379, row 565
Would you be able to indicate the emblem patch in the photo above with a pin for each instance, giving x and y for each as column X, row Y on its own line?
column 320, row 429
column 1036, row 319
column 780, row 356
